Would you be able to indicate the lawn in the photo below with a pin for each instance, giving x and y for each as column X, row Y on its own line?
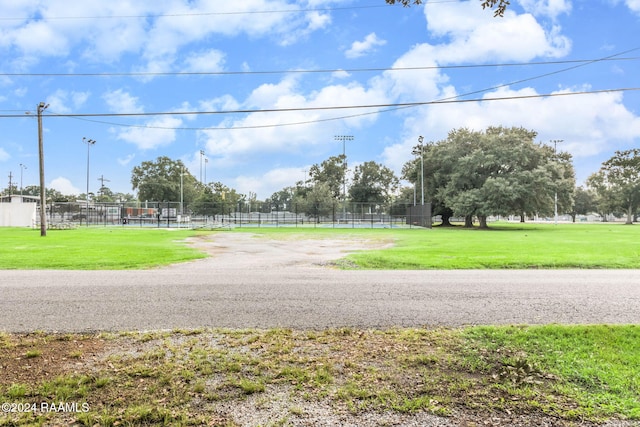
column 94, row 248
column 506, row 246
column 503, row 246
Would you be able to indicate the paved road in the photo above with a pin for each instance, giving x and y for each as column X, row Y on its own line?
column 310, row 297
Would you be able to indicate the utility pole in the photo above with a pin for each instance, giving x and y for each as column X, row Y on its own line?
column 10, row 184
column 102, row 180
column 43, row 197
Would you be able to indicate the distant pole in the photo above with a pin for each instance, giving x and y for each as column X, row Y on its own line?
column 420, row 152
column 201, row 155
column 344, row 138
column 420, row 139
column 22, row 168
column 43, row 197
column 10, row 183
column 206, row 163
column 181, row 192
column 555, row 194
column 89, row 143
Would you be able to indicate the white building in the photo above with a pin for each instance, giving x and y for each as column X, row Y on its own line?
column 18, row 211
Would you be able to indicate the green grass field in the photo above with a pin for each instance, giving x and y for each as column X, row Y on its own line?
column 93, row 248
column 503, row 246
column 506, row 245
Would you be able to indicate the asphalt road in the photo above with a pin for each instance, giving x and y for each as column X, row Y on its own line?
column 196, row 296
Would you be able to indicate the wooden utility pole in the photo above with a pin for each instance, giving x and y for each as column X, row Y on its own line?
column 10, row 184
column 43, row 197
column 102, row 180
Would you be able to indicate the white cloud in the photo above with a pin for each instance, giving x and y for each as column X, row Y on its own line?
column 62, row 101
column 4, row 156
column 223, row 103
column 550, row 8
column 155, row 31
column 589, row 124
column 64, row 186
column 478, row 37
column 361, row 48
column 120, row 101
column 159, row 132
column 263, row 135
column 125, row 160
column 207, row 61
column 317, row 21
column 634, row 5
column 269, row 182
column 340, row 74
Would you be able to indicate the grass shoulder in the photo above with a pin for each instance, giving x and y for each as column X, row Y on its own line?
column 573, row 375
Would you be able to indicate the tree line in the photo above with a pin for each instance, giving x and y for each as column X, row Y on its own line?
column 469, row 174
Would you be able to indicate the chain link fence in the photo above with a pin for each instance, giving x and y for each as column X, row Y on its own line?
column 215, row 215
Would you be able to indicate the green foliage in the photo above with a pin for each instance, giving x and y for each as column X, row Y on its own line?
column 215, row 199
column 499, row 5
column 500, row 171
column 160, row 180
column 373, row 183
column 332, row 173
column 617, row 183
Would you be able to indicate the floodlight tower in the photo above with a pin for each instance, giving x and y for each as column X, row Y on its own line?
column 344, row 139
column 89, row 143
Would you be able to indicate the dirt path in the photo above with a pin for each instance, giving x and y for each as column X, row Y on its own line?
column 252, row 251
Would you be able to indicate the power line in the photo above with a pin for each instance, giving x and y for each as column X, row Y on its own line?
column 319, row 71
column 204, row 14
column 299, row 109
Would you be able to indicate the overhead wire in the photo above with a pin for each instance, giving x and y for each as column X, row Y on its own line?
column 320, row 71
column 196, row 14
column 385, row 107
column 381, row 108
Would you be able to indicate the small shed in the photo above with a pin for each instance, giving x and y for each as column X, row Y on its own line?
column 18, row 211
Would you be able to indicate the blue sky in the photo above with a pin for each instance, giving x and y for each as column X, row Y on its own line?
column 307, row 57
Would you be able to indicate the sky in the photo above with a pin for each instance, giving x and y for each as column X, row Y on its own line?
column 265, row 88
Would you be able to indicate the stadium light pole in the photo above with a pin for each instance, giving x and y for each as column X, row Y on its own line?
column 344, row 139
column 89, row 143
column 201, row 156
column 22, row 168
column 555, row 194
column 420, row 152
column 206, row 163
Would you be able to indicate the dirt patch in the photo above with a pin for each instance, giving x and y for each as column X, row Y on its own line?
column 245, row 250
column 38, row 357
